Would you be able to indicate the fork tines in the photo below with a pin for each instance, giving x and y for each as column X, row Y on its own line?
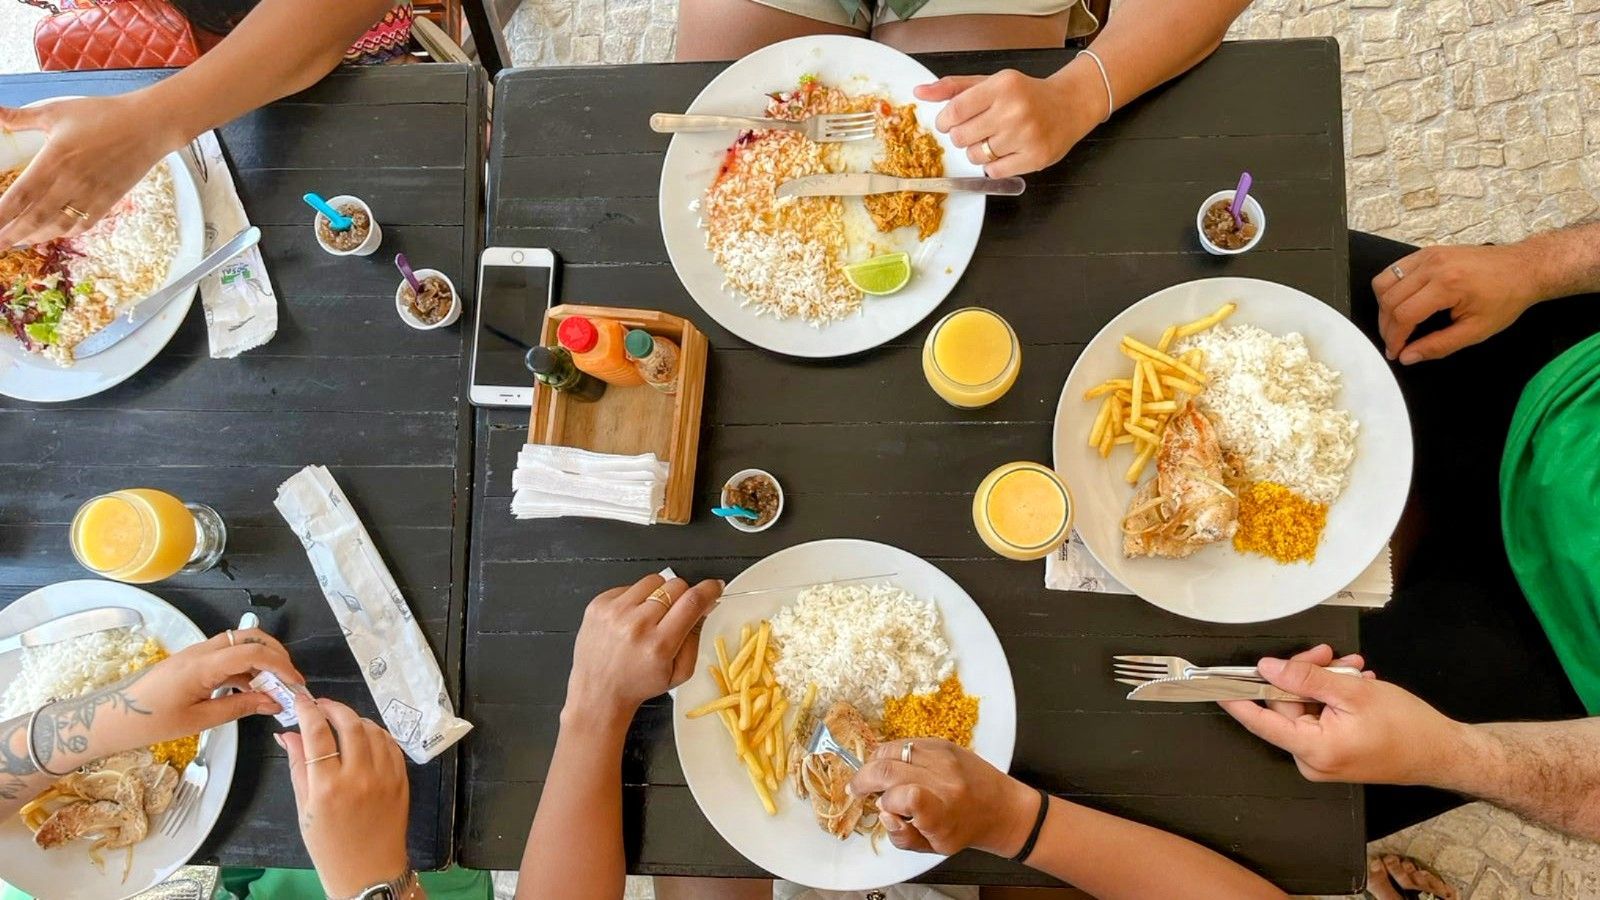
column 1140, row 671
column 183, row 802
column 846, row 126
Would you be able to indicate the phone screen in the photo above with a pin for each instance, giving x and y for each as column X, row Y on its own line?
column 511, row 308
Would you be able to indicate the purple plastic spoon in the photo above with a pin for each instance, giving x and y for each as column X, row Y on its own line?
column 1238, row 200
column 404, row 265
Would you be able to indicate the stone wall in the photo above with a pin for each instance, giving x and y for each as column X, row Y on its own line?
column 1465, row 120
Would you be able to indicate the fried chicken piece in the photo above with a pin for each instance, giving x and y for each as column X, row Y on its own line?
column 822, row 777
column 1187, row 504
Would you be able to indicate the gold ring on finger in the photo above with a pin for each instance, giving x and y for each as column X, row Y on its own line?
column 74, row 212
column 989, row 151
column 317, row 759
column 230, row 638
column 660, row 595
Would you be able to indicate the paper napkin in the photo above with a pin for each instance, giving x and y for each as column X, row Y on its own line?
column 241, row 310
column 1072, row 568
column 553, row 481
column 394, row 656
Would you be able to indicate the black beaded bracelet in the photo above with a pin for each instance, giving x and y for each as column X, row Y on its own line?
column 1038, row 826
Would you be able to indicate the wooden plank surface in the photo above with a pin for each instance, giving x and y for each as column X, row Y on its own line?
column 343, row 384
column 864, row 449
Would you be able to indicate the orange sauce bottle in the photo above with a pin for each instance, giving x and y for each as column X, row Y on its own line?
column 598, row 347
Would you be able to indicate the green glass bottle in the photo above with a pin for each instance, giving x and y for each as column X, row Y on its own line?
column 554, row 367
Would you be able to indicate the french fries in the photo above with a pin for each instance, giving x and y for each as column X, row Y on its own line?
column 752, row 709
column 1134, row 411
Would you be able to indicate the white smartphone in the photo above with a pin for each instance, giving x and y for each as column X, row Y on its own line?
column 515, row 287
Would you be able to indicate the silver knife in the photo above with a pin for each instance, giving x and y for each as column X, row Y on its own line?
column 856, row 184
column 72, row 625
column 151, row 306
column 1207, row 690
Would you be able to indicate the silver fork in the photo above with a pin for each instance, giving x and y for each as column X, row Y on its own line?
column 821, row 128
column 823, row 741
column 1148, row 668
column 195, row 774
column 187, row 799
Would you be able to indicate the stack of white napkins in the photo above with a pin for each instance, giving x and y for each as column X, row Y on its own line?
column 555, row 481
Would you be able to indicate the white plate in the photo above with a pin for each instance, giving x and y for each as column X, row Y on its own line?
column 66, row 873
column 790, row 845
column 854, row 64
column 1218, row 584
column 26, row 376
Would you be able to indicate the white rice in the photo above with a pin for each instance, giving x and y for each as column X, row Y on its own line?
column 74, row 668
column 861, row 644
column 127, row 254
column 1274, row 406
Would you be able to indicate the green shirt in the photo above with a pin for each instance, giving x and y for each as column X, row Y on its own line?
column 1550, row 509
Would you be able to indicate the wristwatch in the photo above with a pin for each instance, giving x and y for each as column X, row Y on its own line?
column 397, row 889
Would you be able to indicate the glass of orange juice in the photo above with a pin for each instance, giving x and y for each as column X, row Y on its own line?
column 140, row 535
column 971, row 357
column 1022, row 511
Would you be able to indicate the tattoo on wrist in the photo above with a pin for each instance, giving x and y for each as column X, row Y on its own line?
column 64, row 726
column 15, row 767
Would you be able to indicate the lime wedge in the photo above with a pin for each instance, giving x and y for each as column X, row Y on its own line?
column 881, row 274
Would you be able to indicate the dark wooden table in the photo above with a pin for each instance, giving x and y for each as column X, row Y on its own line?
column 575, row 168
column 344, row 384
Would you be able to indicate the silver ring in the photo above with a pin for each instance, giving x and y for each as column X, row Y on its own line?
column 1399, row 273
column 661, row 596
column 230, row 638
column 905, row 753
column 989, row 151
column 316, row 759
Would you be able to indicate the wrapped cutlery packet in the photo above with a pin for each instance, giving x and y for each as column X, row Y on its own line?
column 240, row 307
column 395, row 658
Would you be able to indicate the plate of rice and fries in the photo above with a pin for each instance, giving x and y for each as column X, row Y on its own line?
column 770, row 668
column 1237, row 449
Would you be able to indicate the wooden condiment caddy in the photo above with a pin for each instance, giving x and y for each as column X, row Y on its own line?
column 633, row 420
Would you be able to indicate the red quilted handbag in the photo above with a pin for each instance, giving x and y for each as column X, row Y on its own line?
column 112, row 34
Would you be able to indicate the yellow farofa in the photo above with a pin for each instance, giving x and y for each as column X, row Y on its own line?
column 948, row 713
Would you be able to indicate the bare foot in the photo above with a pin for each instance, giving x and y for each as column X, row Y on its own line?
column 1389, row 875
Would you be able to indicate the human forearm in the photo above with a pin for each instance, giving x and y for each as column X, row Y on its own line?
column 281, row 47
column 1147, row 43
column 1564, row 262
column 575, row 845
column 65, row 735
column 1546, row 771
column 1109, row 858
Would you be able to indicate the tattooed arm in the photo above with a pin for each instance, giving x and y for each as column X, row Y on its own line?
column 168, row 700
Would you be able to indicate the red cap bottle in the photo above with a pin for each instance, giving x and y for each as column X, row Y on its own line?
column 577, row 334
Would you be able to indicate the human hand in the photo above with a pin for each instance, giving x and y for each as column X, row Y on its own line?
column 1484, row 288
column 170, row 699
column 631, row 648
column 1367, row 731
column 351, row 789
column 946, row 799
column 96, row 149
column 1029, row 122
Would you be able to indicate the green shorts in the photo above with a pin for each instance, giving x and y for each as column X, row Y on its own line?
column 863, row 14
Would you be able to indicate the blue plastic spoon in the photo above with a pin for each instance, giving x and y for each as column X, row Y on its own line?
column 336, row 220
column 732, row 511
